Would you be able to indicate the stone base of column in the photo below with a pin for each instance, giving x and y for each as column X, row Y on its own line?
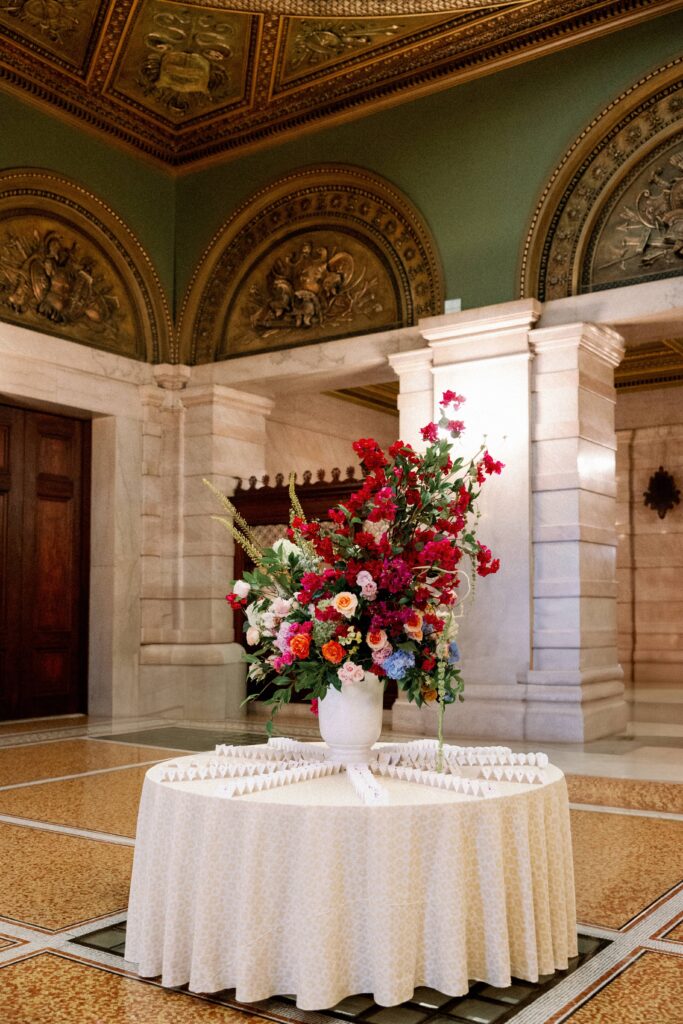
column 488, row 712
column 575, row 707
column 199, row 682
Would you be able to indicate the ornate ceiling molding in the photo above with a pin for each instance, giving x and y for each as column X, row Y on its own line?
column 69, row 266
column 323, row 253
column 612, row 212
column 185, row 83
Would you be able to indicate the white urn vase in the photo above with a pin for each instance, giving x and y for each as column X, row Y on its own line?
column 350, row 719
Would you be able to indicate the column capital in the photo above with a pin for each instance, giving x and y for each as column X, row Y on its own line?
column 485, row 333
column 172, row 376
column 601, row 341
column 220, row 395
column 414, row 369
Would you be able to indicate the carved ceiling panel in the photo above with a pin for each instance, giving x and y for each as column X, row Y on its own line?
column 324, row 253
column 184, row 82
column 70, row 267
column 311, row 46
column 65, row 30
column 612, row 213
column 181, row 63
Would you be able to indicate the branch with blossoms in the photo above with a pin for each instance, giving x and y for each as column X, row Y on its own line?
column 379, row 591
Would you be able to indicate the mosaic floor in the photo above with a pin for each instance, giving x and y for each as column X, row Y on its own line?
column 69, row 791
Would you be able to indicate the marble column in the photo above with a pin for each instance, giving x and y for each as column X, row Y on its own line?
column 484, row 355
column 575, row 689
column 190, row 663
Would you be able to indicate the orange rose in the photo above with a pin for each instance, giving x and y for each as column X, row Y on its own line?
column 345, row 603
column 300, row 644
column 333, row 652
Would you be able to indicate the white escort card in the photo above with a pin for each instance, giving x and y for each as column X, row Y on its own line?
column 366, row 785
column 471, row 771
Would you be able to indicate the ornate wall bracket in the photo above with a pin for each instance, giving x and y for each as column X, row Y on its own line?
column 662, row 493
column 69, row 266
column 612, row 212
column 323, row 253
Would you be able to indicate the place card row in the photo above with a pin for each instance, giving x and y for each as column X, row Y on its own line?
column 257, row 783
column 440, row 780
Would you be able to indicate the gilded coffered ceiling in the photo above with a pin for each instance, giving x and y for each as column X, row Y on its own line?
column 186, row 82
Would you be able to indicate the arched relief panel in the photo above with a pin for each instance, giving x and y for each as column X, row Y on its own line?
column 69, row 266
column 612, row 213
column 326, row 252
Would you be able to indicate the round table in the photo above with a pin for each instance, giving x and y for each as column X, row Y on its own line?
column 305, row 889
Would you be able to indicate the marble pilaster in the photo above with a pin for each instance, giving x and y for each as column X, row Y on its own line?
column 575, row 689
column 190, row 664
column 485, row 355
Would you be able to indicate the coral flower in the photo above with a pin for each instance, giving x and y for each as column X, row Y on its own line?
column 413, row 626
column 332, row 652
column 299, row 645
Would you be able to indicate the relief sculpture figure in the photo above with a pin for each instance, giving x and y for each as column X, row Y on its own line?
column 310, row 287
column 651, row 228
column 44, row 276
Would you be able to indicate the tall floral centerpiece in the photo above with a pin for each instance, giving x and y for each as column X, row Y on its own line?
column 376, row 592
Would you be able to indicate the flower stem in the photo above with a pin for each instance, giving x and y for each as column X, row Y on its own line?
column 439, row 749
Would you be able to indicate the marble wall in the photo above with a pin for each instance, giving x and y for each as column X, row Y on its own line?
column 309, row 430
column 540, row 643
column 650, row 556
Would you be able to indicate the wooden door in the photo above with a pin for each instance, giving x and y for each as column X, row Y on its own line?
column 44, row 524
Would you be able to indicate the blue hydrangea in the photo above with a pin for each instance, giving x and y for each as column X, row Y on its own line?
column 398, row 663
column 453, row 653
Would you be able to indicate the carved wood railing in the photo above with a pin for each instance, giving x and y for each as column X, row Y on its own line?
column 266, row 507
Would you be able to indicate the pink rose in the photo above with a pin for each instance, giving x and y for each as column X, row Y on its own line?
column 380, row 656
column 281, row 607
column 253, row 636
column 369, row 591
column 349, row 672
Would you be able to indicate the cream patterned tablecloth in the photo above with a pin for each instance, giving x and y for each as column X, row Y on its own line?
column 305, row 889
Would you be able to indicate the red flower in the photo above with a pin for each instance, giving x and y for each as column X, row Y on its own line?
column 456, row 426
column 491, row 466
column 314, row 707
column 369, row 453
column 487, row 565
column 429, row 663
column 450, row 398
column 430, row 432
column 235, row 602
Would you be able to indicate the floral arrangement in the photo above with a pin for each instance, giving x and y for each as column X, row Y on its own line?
column 377, row 589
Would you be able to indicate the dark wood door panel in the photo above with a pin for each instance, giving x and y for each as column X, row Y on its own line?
column 11, row 503
column 43, row 667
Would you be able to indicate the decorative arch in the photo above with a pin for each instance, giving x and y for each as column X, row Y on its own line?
column 612, row 212
column 69, row 266
column 325, row 252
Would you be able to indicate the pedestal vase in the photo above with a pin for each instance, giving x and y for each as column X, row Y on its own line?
column 350, row 719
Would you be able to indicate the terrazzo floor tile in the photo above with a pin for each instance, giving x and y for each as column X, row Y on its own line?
column 52, row 989
column 55, row 881
column 6, row 942
column 101, row 803
column 650, row 991
column 622, row 864
column 666, row 797
column 676, row 934
column 69, row 757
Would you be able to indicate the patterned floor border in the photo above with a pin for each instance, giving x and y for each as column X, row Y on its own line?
column 646, row 932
